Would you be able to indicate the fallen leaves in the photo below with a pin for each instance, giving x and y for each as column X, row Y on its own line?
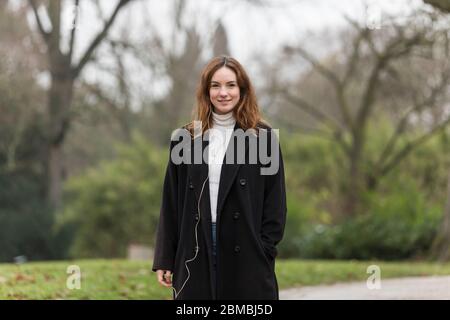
column 20, row 277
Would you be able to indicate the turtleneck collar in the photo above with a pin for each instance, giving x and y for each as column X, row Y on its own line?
column 224, row 120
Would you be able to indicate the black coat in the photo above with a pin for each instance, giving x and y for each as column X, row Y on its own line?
column 251, row 215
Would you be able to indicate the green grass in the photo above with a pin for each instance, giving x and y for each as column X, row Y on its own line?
column 121, row 279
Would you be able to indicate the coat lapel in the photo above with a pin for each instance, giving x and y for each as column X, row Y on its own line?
column 199, row 173
column 228, row 173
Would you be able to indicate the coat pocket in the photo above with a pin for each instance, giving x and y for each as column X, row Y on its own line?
column 269, row 250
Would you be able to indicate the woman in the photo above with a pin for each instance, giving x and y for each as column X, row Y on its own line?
column 221, row 218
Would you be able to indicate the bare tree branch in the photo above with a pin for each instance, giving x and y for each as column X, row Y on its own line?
column 365, row 33
column 331, row 76
column 309, row 109
column 54, row 14
column 334, row 125
column 368, row 96
column 306, row 130
column 316, row 64
column 354, row 58
column 411, row 146
column 430, row 101
column 88, row 54
column 397, row 48
column 74, row 28
column 45, row 34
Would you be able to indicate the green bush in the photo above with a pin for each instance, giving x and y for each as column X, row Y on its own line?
column 400, row 224
column 117, row 203
column 400, row 217
column 25, row 220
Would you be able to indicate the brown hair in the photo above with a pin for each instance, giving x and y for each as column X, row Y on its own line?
column 246, row 112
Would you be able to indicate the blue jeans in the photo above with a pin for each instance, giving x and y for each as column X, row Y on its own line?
column 214, row 248
column 214, row 240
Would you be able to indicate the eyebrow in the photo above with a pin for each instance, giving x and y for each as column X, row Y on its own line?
column 226, row 82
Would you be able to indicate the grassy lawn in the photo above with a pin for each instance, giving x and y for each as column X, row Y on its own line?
column 121, row 279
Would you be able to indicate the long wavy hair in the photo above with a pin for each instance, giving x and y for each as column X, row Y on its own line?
column 246, row 112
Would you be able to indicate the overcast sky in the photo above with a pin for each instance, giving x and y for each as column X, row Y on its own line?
column 251, row 29
column 308, row 16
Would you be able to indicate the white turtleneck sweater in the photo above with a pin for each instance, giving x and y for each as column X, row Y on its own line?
column 219, row 137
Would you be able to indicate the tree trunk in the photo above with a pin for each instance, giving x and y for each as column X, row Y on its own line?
column 353, row 189
column 60, row 99
column 55, row 164
column 441, row 245
column 63, row 75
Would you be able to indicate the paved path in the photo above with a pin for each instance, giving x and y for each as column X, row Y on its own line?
column 436, row 287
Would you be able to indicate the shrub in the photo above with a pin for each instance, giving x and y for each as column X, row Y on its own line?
column 117, row 203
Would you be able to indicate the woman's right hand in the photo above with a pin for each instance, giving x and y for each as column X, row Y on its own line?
column 164, row 277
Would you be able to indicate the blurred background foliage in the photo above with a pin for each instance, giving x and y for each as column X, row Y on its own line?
column 364, row 129
column 399, row 220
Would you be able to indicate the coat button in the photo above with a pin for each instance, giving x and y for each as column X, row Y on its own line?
column 196, row 217
column 191, row 186
column 237, row 249
column 236, row 215
column 242, row 182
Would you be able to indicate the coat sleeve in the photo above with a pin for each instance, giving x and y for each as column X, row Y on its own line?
column 167, row 231
column 275, row 210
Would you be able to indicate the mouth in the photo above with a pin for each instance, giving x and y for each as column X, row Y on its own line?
column 224, row 101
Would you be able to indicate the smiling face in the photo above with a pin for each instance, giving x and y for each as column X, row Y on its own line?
column 224, row 91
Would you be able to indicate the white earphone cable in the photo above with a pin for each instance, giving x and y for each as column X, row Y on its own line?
column 196, row 243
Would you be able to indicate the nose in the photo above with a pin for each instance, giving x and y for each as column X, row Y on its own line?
column 223, row 92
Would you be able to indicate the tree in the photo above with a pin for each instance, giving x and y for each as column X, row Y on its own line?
column 25, row 220
column 441, row 244
column 443, row 5
column 20, row 95
column 64, row 72
column 117, row 100
column 221, row 41
column 179, row 63
column 357, row 78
